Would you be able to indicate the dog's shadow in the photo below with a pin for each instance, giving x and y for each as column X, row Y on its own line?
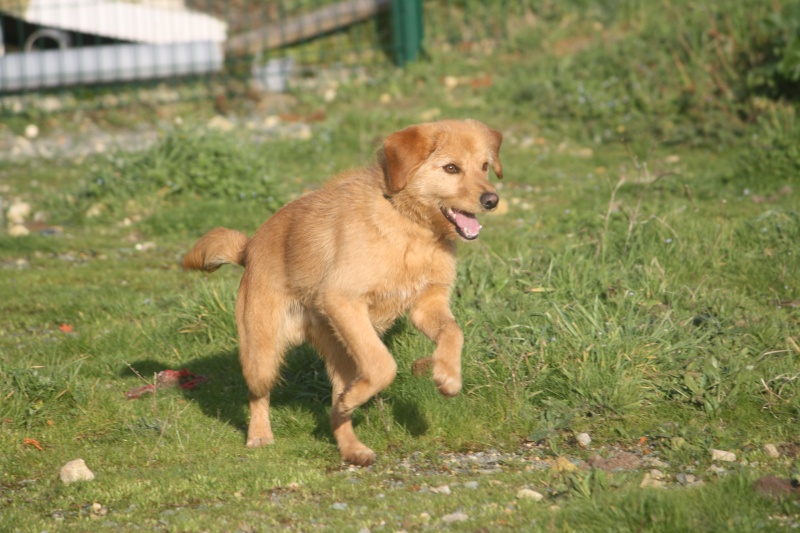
column 303, row 385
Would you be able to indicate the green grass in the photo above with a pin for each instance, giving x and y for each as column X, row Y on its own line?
column 643, row 287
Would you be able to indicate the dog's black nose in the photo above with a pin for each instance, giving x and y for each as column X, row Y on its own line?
column 489, row 200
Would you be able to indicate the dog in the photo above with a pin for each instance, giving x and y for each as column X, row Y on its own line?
column 338, row 266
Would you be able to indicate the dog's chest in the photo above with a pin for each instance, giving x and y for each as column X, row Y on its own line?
column 414, row 271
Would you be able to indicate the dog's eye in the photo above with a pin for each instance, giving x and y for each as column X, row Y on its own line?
column 451, row 169
column 485, row 167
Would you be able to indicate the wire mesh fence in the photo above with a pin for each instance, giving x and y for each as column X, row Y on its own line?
column 62, row 54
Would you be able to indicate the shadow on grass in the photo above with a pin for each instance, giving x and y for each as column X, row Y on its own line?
column 303, row 385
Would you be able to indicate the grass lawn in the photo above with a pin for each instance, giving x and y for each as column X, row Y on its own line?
column 640, row 284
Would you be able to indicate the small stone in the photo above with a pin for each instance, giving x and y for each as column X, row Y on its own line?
column 584, row 440
column 656, row 474
column 18, row 212
column 76, row 471
column 430, row 114
column 562, row 464
column 272, row 121
column 772, row 451
column 444, row 489
column 18, row 230
column 218, row 122
column 686, row 479
column 425, row 517
column 651, row 482
column 471, row 485
column 451, row 82
column 528, row 494
column 31, row 131
column 620, row 461
column 95, row 210
column 339, row 506
column 458, row 516
column 329, row 95
column 722, row 455
column 386, row 98
column 654, row 462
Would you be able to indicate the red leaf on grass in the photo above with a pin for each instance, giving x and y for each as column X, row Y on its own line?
column 65, row 328
column 34, row 443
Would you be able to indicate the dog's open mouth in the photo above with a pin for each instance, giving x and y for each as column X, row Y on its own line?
column 466, row 224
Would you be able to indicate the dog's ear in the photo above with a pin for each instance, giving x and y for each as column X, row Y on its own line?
column 403, row 152
column 495, row 139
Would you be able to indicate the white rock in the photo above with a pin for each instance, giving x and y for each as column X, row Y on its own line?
column 528, row 494
column 722, row 455
column 583, row 439
column 653, row 482
column 18, row 230
column 329, row 95
column 272, row 121
column 458, row 516
column 220, row 123
column 31, row 131
column 95, row 210
column 76, row 471
column 444, row 489
column 18, row 212
column 771, row 451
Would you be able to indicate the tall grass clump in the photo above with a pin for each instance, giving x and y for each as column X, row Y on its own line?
column 685, row 71
column 208, row 165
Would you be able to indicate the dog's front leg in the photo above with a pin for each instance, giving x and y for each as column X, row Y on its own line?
column 375, row 369
column 431, row 315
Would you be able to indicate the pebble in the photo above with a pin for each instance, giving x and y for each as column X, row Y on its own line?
column 687, row 479
column 652, row 481
column 444, row 489
column 218, row 122
column 76, row 471
column 339, row 506
column 528, row 494
column 458, row 516
column 18, row 230
column 31, row 131
column 18, row 212
column 772, row 451
column 722, row 455
column 583, row 439
column 471, row 485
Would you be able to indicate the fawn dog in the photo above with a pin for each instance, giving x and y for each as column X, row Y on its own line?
column 338, row 266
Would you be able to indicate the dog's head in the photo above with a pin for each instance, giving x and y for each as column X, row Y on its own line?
column 439, row 173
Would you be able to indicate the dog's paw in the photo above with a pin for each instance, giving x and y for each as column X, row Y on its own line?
column 449, row 386
column 257, row 442
column 360, row 456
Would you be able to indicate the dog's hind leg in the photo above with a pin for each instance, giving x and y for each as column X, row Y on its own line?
column 265, row 333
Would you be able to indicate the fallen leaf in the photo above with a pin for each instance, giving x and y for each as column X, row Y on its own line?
column 65, row 328
column 34, row 443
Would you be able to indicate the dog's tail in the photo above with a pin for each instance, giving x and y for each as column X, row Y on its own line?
column 218, row 247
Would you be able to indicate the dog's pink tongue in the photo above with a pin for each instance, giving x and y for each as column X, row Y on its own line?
column 467, row 222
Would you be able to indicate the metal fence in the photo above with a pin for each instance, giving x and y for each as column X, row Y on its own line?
column 93, row 52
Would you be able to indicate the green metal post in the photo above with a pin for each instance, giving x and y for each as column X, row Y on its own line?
column 406, row 30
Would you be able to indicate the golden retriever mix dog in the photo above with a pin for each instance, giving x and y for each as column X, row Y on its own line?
column 338, row 266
